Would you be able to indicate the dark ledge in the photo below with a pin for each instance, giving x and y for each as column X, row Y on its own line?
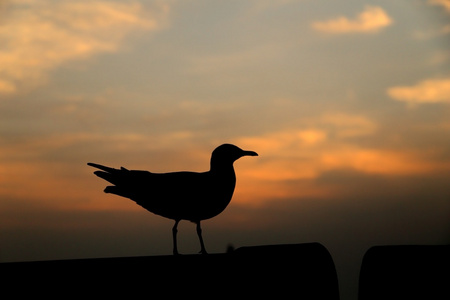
column 282, row 271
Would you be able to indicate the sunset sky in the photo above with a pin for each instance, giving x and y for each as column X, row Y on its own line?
column 346, row 102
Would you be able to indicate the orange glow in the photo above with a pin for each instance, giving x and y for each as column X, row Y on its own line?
column 347, row 106
column 50, row 185
column 300, row 156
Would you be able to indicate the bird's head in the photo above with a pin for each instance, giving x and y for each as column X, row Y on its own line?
column 227, row 154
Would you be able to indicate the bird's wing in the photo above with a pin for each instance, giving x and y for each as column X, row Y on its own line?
column 126, row 183
column 177, row 195
column 186, row 195
column 167, row 194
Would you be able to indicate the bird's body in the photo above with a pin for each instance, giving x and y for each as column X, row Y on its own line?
column 183, row 195
column 179, row 195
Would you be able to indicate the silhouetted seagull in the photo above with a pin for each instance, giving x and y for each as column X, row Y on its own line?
column 183, row 195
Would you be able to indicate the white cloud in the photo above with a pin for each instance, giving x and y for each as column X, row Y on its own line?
column 444, row 3
column 432, row 33
column 38, row 36
column 371, row 20
column 348, row 126
column 427, row 91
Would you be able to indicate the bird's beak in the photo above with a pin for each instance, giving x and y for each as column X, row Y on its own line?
column 249, row 153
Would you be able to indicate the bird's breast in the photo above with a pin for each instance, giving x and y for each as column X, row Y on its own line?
column 216, row 196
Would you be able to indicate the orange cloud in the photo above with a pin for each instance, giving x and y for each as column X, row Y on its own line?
column 38, row 36
column 383, row 162
column 303, row 156
column 371, row 20
column 278, row 141
column 427, row 91
column 7, row 87
column 312, row 163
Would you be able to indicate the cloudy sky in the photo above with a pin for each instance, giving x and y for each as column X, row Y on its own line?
column 346, row 102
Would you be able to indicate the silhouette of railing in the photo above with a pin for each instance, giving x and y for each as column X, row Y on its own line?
column 405, row 272
column 305, row 271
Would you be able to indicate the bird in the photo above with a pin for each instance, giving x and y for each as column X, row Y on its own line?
column 184, row 195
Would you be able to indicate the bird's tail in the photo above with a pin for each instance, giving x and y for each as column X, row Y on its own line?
column 105, row 168
column 109, row 174
column 118, row 177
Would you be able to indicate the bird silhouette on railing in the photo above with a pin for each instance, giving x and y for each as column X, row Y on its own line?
column 183, row 195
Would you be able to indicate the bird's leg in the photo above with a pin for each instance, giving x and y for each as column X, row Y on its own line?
column 174, row 236
column 199, row 233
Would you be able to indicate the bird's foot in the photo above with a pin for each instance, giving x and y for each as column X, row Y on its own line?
column 203, row 251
